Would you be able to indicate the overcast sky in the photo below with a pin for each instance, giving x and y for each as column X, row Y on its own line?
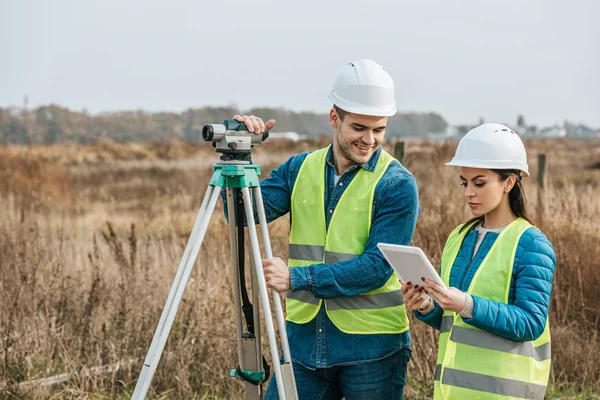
column 462, row 59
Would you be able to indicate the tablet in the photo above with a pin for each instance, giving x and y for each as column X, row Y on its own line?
column 410, row 263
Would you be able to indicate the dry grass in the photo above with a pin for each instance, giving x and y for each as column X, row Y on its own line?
column 91, row 237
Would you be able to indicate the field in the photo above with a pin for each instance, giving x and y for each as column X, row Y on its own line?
column 91, row 237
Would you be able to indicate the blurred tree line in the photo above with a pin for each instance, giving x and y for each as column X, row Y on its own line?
column 56, row 124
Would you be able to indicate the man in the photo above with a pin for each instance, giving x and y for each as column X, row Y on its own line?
column 347, row 326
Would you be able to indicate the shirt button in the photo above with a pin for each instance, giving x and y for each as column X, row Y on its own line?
column 320, row 330
column 330, row 211
column 341, row 184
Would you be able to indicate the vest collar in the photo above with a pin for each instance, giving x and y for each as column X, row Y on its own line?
column 369, row 165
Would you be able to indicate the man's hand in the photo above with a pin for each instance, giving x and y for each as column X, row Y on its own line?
column 255, row 124
column 450, row 299
column 277, row 274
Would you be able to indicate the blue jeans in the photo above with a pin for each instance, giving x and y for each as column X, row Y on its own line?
column 383, row 379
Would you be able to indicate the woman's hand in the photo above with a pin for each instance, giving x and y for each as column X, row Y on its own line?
column 412, row 296
column 450, row 299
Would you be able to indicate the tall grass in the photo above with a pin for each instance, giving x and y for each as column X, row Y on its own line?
column 91, row 237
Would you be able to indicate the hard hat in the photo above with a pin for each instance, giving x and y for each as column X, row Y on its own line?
column 491, row 146
column 363, row 87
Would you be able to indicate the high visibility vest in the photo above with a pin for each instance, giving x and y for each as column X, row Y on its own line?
column 475, row 364
column 377, row 311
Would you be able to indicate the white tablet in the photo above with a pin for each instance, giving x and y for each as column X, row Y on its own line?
column 410, row 263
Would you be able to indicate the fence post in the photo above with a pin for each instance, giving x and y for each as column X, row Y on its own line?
column 541, row 183
column 399, row 151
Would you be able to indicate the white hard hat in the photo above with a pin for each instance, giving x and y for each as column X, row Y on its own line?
column 491, row 146
column 363, row 87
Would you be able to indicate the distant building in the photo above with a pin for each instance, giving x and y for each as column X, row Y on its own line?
column 555, row 131
column 582, row 131
column 567, row 129
column 450, row 134
column 293, row 136
column 528, row 131
column 14, row 111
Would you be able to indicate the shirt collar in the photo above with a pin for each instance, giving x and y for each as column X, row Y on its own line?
column 369, row 165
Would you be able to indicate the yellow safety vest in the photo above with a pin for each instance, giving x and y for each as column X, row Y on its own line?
column 475, row 364
column 377, row 311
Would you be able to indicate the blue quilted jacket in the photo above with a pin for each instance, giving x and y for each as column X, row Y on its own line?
column 524, row 317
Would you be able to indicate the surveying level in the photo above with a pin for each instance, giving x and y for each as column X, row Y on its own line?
column 235, row 173
column 232, row 139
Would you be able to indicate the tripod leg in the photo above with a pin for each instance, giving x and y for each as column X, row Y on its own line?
column 264, row 296
column 175, row 295
column 180, row 269
column 254, row 356
column 287, row 368
column 256, row 311
column 248, row 358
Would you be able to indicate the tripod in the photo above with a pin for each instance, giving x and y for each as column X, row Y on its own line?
column 237, row 177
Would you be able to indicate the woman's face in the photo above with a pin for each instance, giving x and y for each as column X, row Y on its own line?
column 484, row 190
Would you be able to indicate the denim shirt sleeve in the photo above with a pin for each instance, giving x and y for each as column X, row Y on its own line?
column 395, row 212
column 525, row 318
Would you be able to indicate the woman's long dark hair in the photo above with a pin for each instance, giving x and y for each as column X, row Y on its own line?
column 516, row 198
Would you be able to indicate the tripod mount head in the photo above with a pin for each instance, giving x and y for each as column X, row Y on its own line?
column 232, row 139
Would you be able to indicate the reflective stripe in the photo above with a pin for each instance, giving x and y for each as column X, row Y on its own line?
column 446, row 324
column 492, row 384
column 306, row 252
column 304, row 296
column 332, row 257
column 366, row 302
column 543, row 352
column 487, row 340
column 438, row 372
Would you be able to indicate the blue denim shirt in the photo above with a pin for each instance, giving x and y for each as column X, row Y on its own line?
column 319, row 343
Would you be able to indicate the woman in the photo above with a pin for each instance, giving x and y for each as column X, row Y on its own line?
column 498, row 269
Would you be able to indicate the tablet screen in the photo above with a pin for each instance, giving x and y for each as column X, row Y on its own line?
column 410, row 263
